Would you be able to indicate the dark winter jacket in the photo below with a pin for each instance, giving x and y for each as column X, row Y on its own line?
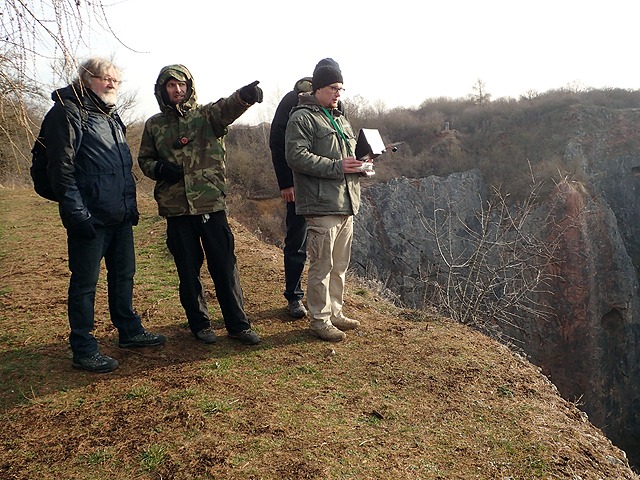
column 314, row 151
column 203, row 157
column 278, row 127
column 89, row 162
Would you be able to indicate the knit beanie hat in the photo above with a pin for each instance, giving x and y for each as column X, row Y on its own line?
column 327, row 61
column 325, row 75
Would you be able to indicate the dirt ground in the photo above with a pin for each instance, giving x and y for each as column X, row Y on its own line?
column 409, row 395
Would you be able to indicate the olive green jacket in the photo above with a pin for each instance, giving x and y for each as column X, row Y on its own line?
column 314, row 150
column 202, row 190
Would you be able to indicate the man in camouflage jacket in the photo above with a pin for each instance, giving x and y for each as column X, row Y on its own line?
column 183, row 149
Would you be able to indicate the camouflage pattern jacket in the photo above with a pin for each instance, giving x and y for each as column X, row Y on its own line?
column 203, row 157
column 314, row 151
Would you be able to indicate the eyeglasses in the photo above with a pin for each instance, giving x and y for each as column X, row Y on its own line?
column 108, row 79
column 336, row 89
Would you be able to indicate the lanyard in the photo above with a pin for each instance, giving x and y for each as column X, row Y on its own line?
column 338, row 129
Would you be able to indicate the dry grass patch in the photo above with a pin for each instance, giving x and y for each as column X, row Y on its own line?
column 407, row 396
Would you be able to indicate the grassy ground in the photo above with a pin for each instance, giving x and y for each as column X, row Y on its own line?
column 407, row 396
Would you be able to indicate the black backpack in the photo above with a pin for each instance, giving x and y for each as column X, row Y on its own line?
column 39, row 159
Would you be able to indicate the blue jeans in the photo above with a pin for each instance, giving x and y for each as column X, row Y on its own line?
column 295, row 253
column 115, row 244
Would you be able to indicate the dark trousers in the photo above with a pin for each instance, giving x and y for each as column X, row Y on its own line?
column 295, row 253
column 189, row 239
column 114, row 244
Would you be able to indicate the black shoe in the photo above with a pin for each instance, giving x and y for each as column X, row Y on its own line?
column 206, row 335
column 296, row 309
column 248, row 337
column 144, row 339
column 96, row 363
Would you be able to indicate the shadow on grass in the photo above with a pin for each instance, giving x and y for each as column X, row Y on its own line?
column 30, row 373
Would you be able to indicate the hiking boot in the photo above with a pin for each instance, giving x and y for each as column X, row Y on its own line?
column 96, row 363
column 206, row 335
column 296, row 309
column 344, row 323
column 326, row 331
column 144, row 339
column 248, row 336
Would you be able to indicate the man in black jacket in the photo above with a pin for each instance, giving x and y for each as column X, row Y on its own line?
column 295, row 253
column 89, row 168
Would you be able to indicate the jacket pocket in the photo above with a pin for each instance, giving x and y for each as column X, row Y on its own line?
column 214, row 182
column 103, row 195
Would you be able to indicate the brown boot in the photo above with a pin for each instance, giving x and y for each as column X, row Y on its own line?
column 326, row 331
column 345, row 323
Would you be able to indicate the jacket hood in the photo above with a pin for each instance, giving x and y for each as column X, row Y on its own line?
column 303, row 85
column 82, row 97
column 308, row 100
column 181, row 73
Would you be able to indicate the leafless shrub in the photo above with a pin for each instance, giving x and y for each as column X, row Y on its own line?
column 491, row 274
column 249, row 167
column 37, row 36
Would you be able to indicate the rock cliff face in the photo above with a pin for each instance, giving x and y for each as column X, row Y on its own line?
column 588, row 339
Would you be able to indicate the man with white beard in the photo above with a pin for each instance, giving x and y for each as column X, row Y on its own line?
column 89, row 169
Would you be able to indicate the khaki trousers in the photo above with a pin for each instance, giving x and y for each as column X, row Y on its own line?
column 329, row 252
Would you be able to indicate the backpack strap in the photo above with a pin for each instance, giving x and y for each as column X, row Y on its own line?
column 84, row 118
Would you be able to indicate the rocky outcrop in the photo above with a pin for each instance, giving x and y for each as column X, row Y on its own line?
column 606, row 146
column 392, row 241
column 588, row 340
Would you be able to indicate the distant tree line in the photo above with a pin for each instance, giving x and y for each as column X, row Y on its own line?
column 507, row 139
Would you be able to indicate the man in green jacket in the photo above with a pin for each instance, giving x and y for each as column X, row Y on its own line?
column 183, row 149
column 320, row 147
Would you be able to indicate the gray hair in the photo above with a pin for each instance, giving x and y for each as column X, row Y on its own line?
column 95, row 66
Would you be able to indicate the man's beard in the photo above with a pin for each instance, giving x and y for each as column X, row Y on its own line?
column 109, row 98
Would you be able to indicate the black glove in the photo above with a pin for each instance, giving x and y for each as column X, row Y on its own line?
column 251, row 93
column 168, row 171
column 135, row 218
column 84, row 230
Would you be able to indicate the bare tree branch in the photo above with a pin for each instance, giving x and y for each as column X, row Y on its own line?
column 40, row 39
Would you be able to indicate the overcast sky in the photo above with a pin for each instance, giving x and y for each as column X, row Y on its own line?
column 400, row 54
